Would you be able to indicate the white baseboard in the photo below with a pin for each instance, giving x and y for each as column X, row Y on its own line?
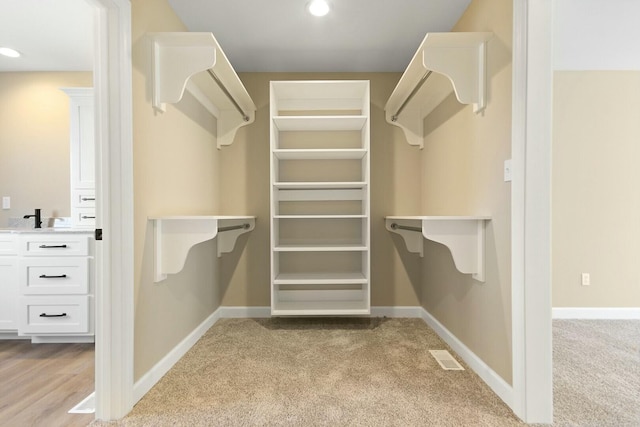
column 232, row 312
column 148, row 380
column 620, row 313
column 399, row 311
column 488, row 375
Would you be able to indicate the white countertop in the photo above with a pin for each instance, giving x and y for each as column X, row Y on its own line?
column 49, row 230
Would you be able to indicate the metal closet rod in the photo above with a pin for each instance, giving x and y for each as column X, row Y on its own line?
column 233, row 227
column 215, row 78
column 411, row 95
column 395, row 226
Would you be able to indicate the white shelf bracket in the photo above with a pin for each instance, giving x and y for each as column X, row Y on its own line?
column 464, row 236
column 177, row 57
column 175, row 236
column 443, row 63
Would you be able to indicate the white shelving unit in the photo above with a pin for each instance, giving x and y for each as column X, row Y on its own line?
column 320, row 215
column 176, row 235
column 177, row 57
column 444, row 63
column 463, row 235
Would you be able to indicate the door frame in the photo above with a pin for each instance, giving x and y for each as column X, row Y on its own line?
column 531, row 211
column 114, row 188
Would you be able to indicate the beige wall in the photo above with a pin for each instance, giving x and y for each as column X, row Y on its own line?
column 462, row 174
column 176, row 166
column 395, row 189
column 34, row 142
column 596, row 195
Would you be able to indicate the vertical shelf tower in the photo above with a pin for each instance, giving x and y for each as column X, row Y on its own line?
column 320, row 238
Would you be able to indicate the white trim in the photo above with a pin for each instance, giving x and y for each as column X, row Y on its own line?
column 114, row 271
column 531, row 212
column 488, row 375
column 233, row 312
column 397, row 311
column 148, row 380
column 621, row 313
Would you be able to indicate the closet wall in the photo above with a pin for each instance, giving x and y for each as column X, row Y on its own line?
column 176, row 172
column 462, row 174
column 395, row 190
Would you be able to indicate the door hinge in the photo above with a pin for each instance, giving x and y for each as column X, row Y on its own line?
column 98, row 234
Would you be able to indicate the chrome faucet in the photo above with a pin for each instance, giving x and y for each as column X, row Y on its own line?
column 37, row 217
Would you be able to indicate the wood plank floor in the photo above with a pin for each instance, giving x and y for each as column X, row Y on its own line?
column 39, row 383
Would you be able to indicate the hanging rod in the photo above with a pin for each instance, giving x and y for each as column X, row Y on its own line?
column 395, row 226
column 411, row 95
column 215, row 78
column 233, row 227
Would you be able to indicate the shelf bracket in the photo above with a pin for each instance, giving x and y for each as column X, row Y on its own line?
column 177, row 57
column 443, row 63
column 464, row 236
column 175, row 236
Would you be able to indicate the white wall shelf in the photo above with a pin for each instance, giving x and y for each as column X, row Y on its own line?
column 177, row 57
column 463, row 235
column 444, row 63
column 176, row 235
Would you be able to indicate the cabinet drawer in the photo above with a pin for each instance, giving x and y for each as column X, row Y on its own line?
column 83, row 198
column 61, row 244
column 83, row 217
column 54, row 275
column 54, row 315
column 8, row 244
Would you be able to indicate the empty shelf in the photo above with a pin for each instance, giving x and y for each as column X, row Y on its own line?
column 320, row 278
column 320, row 154
column 318, row 185
column 320, row 248
column 322, row 123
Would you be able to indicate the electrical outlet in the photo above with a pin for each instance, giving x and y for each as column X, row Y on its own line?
column 586, row 279
column 6, row 202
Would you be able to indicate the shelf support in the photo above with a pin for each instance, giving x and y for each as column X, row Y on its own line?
column 464, row 236
column 443, row 63
column 177, row 57
column 175, row 236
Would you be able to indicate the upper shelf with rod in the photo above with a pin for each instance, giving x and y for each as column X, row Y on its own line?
column 444, row 63
column 177, row 57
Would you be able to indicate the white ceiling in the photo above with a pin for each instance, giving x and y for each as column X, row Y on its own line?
column 256, row 35
column 357, row 35
column 51, row 35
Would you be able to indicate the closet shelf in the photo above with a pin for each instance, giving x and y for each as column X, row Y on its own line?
column 463, row 235
column 177, row 57
column 320, row 248
column 320, row 279
column 319, row 185
column 319, row 123
column 444, row 63
column 328, row 216
column 320, row 154
column 176, row 235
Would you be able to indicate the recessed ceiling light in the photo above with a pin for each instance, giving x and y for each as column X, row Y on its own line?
column 318, row 7
column 7, row 51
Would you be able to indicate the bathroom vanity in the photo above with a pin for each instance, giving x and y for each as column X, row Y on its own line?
column 46, row 285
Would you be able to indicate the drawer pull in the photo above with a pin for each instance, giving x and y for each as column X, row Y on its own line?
column 87, row 199
column 88, row 217
column 53, row 315
column 44, row 276
column 52, row 246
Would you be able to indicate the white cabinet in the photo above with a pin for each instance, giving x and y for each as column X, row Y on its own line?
column 82, row 146
column 8, row 282
column 55, row 287
column 320, row 215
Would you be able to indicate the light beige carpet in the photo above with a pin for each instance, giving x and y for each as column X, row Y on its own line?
column 318, row 372
column 596, row 373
